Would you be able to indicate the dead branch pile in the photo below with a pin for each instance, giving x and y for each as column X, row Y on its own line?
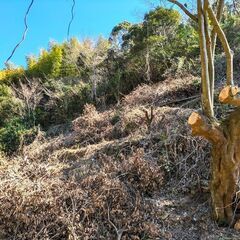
column 97, row 181
column 166, row 93
column 38, row 203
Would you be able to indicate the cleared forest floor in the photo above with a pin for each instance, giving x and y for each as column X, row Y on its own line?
column 131, row 172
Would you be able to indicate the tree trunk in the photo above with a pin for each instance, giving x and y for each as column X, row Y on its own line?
column 225, row 164
column 224, row 137
column 205, row 81
column 225, row 170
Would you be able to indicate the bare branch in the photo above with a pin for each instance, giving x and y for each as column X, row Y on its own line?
column 201, row 127
column 24, row 33
column 72, row 17
column 192, row 16
column 218, row 16
column 206, row 94
column 209, row 53
column 119, row 232
column 226, row 47
column 235, row 7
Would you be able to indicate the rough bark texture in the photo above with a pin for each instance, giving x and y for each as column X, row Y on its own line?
column 225, row 169
column 225, row 164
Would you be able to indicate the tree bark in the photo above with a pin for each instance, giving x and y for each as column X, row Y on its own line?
column 209, row 49
column 206, row 93
column 225, row 164
column 224, row 137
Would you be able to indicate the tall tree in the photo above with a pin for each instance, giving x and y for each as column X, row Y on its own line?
column 224, row 135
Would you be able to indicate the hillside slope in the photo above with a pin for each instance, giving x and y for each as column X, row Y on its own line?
column 131, row 172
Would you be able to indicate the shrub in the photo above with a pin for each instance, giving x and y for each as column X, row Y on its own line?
column 11, row 135
column 65, row 103
column 9, row 105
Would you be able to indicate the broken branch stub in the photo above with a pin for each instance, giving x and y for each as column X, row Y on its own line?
column 201, row 127
column 228, row 95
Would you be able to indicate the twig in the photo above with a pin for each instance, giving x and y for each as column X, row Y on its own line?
column 191, row 101
column 149, row 117
column 118, row 231
column 192, row 16
column 72, row 17
column 24, row 33
column 179, row 100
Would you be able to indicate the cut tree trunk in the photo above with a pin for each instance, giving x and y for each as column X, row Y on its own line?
column 225, row 163
column 225, row 170
column 224, row 137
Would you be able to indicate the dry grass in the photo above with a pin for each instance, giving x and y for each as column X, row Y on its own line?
column 38, row 202
column 69, row 189
column 162, row 94
column 116, row 175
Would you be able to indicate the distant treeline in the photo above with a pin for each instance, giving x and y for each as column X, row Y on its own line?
column 57, row 83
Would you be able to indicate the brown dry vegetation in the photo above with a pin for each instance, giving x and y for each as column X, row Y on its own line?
column 116, row 175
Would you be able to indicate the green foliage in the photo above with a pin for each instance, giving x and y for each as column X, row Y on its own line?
column 48, row 64
column 110, row 88
column 161, row 19
column 73, row 73
column 65, row 103
column 11, row 135
column 151, row 50
column 120, row 28
column 71, row 53
column 11, row 74
column 158, row 24
column 136, row 53
column 9, row 105
column 231, row 27
column 71, row 100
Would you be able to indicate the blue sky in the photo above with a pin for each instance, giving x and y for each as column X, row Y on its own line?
column 48, row 20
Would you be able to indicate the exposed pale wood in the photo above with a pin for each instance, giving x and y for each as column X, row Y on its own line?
column 194, row 119
column 200, row 127
column 237, row 225
column 228, row 96
column 225, row 137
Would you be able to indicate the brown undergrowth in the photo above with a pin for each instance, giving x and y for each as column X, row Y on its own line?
column 37, row 202
column 116, row 175
column 170, row 92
